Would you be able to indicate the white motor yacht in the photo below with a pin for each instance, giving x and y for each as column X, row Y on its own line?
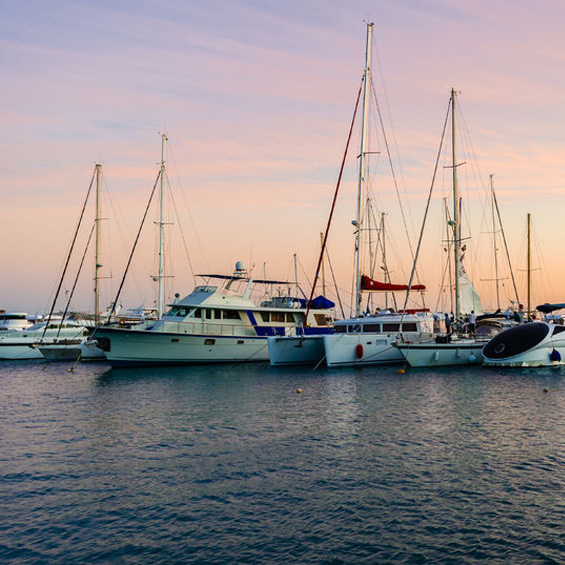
column 533, row 344
column 14, row 321
column 213, row 324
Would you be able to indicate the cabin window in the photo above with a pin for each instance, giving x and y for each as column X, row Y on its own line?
column 558, row 330
column 239, row 342
column 217, row 314
column 289, row 317
column 391, row 327
column 277, row 316
column 265, row 316
column 209, row 341
column 181, row 312
column 410, row 327
column 208, row 314
column 374, row 328
column 321, row 319
column 231, row 315
column 354, row 329
column 195, row 313
column 340, row 329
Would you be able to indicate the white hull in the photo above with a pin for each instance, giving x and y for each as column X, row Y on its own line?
column 540, row 357
column 296, row 350
column 343, row 349
column 16, row 345
column 135, row 347
column 464, row 352
column 537, row 344
column 15, row 351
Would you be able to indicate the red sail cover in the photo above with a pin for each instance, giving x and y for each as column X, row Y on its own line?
column 370, row 284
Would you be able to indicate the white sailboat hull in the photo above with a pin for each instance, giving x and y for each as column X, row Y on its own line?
column 16, row 345
column 464, row 352
column 15, row 351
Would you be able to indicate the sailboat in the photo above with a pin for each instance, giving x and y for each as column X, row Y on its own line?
column 368, row 339
column 364, row 339
column 455, row 348
column 73, row 348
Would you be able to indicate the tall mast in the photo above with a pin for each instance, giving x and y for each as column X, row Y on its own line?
column 360, row 191
column 494, row 243
column 323, row 266
column 160, row 299
column 97, row 265
column 529, row 273
column 456, row 216
column 385, row 265
column 296, row 275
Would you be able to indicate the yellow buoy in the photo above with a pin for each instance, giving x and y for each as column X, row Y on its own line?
column 401, row 371
column 298, row 391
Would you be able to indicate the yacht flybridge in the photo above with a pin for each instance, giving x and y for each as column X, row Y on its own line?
column 216, row 323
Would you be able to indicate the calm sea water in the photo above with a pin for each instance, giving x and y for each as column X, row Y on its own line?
column 232, row 464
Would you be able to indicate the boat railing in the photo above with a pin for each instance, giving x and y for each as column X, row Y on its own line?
column 205, row 328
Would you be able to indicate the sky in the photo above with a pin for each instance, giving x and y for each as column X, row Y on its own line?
column 256, row 98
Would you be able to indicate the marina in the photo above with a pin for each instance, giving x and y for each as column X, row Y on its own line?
column 262, row 303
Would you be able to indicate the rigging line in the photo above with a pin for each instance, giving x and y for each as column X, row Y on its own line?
column 335, row 285
column 69, row 254
column 333, row 202
column 113, row 308
column 77, row 276
column 506, row 248
column 402, row 211
column 172, row 160
column 171, row 196
column 385, row 138
column 426, row 209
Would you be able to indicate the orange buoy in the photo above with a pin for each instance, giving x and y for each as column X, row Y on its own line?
column 359, row 350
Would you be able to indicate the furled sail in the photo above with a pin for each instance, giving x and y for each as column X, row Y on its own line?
column 370, row 284
column 468, row 296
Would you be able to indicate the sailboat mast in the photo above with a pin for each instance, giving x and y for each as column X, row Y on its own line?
column 528, row 318
column 495, row 250
column 160, row 299
column 360, row 191
column 296, row 275
column 323, row 266
column 97, row 265
column 456, row 215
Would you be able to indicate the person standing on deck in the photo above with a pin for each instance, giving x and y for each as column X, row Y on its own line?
column 472, row 322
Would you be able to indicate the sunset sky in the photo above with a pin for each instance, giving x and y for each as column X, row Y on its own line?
column 256, row 98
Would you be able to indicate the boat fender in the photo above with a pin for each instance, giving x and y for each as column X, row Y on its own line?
column 555, row 355
column 472, row 358
column 359, row 350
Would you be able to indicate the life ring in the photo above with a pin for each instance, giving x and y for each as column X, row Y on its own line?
column 359, row 350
